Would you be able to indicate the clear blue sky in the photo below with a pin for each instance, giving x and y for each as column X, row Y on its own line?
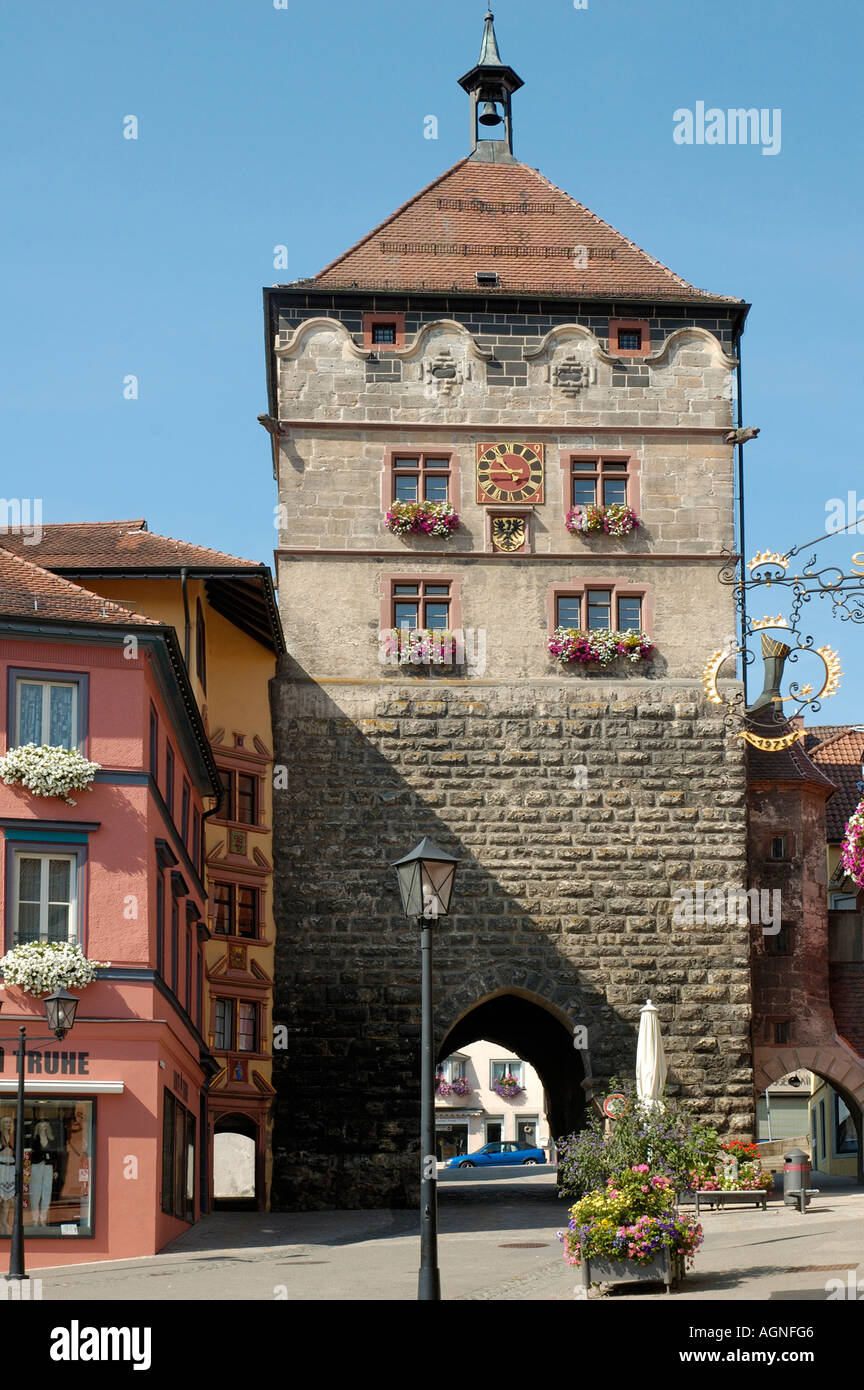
column 304, row 126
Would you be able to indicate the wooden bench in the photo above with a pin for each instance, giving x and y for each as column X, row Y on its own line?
column 742, row 1196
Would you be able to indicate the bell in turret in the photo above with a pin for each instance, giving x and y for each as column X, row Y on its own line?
column 490, row 115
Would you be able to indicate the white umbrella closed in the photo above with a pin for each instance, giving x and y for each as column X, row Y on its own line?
column 650, row 1058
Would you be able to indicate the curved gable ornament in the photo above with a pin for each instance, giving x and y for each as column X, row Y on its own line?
column 295, row 343
column 680, row 336
column 563, row 333
column 415, row 348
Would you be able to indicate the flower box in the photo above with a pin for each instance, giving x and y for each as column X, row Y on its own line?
column 422, row 519
column 461, row 1087
column 599, row 647
column 507, row 1088
column 630, row 1230
column 667, row 1268
column 40, row 967
column 419, row 646
column 48, row 771
column 614, row 520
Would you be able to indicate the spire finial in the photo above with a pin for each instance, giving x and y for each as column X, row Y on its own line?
column 489, row 55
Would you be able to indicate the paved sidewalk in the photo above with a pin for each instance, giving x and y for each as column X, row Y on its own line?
column 497, row 1243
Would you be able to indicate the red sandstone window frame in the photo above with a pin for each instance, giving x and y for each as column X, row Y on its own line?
column 228, row 813
column 253, row 1001
column 388, row 598
column 372, row 321
column 421, row 452
column 619, row 326
column 616, row 588
column 236, row 886
column 587, row 463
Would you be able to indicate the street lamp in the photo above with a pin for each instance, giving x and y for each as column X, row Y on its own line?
column 426, row 877
column 60, row 1009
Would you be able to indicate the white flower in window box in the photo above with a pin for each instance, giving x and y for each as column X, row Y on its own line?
column 40, row 967
column 47, row 771
column 420, row 646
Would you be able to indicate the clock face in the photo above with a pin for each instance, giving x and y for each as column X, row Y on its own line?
column 510, row 472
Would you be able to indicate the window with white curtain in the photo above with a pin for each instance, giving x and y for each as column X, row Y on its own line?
column 47, row 713
column 45, row 898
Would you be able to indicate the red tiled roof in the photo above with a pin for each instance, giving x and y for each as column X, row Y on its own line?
column 508, row 218
column 840, row 758
column 818, row 733
column 26, row 589
column 102, row 545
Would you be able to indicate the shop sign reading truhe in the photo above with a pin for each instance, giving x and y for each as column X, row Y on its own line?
column 52, row 1063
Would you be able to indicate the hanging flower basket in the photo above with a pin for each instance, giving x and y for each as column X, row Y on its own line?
column 507, row 1087
column 600, row 647
column 422, row 519
column 852, row 849
column 614, row 520
column 47, row 771
column 40, row 967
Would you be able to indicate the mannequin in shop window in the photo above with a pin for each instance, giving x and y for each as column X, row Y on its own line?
column 7, row 1170
column 43, row 1165
column 76, row 1182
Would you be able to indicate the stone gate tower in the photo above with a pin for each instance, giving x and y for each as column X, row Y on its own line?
column 495, row 346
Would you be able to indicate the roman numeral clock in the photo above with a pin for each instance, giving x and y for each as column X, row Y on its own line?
column 509, row 473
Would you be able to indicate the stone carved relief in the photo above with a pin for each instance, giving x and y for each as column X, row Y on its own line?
column 566, row 361
column 571, row 374
column 444, row 373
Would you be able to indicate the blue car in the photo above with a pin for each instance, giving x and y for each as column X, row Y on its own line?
column 507, row 1151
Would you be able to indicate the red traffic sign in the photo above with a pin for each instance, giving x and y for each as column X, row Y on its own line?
column 615, row 1105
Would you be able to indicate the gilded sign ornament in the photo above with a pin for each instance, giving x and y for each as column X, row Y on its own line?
column 782, row 570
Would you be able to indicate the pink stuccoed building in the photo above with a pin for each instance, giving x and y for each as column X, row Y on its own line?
column 113, row 1162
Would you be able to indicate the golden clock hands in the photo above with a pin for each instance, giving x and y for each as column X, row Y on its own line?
column 513, row 472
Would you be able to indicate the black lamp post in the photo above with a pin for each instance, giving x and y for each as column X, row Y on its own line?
column 60, row 1008
column 426, row 878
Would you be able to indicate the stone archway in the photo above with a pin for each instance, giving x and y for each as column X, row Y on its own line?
column 236, row 1162
column 541, row 1034
column 835, row 1061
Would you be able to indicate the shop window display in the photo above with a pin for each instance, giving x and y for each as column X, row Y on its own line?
column 58, row 1167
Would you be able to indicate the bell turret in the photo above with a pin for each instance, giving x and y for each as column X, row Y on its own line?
column 491, row 85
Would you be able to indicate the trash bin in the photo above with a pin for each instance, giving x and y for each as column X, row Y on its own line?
column 796, row 1175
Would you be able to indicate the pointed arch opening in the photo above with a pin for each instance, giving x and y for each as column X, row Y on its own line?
column 538, row 1033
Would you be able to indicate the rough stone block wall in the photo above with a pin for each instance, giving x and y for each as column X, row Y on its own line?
column 847, row 1001
column 793, row 987
column 564, row 892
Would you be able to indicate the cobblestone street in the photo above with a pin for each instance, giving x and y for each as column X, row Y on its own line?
column 497, row 1243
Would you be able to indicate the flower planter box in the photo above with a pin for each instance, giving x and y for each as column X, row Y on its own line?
column 666, row 1269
